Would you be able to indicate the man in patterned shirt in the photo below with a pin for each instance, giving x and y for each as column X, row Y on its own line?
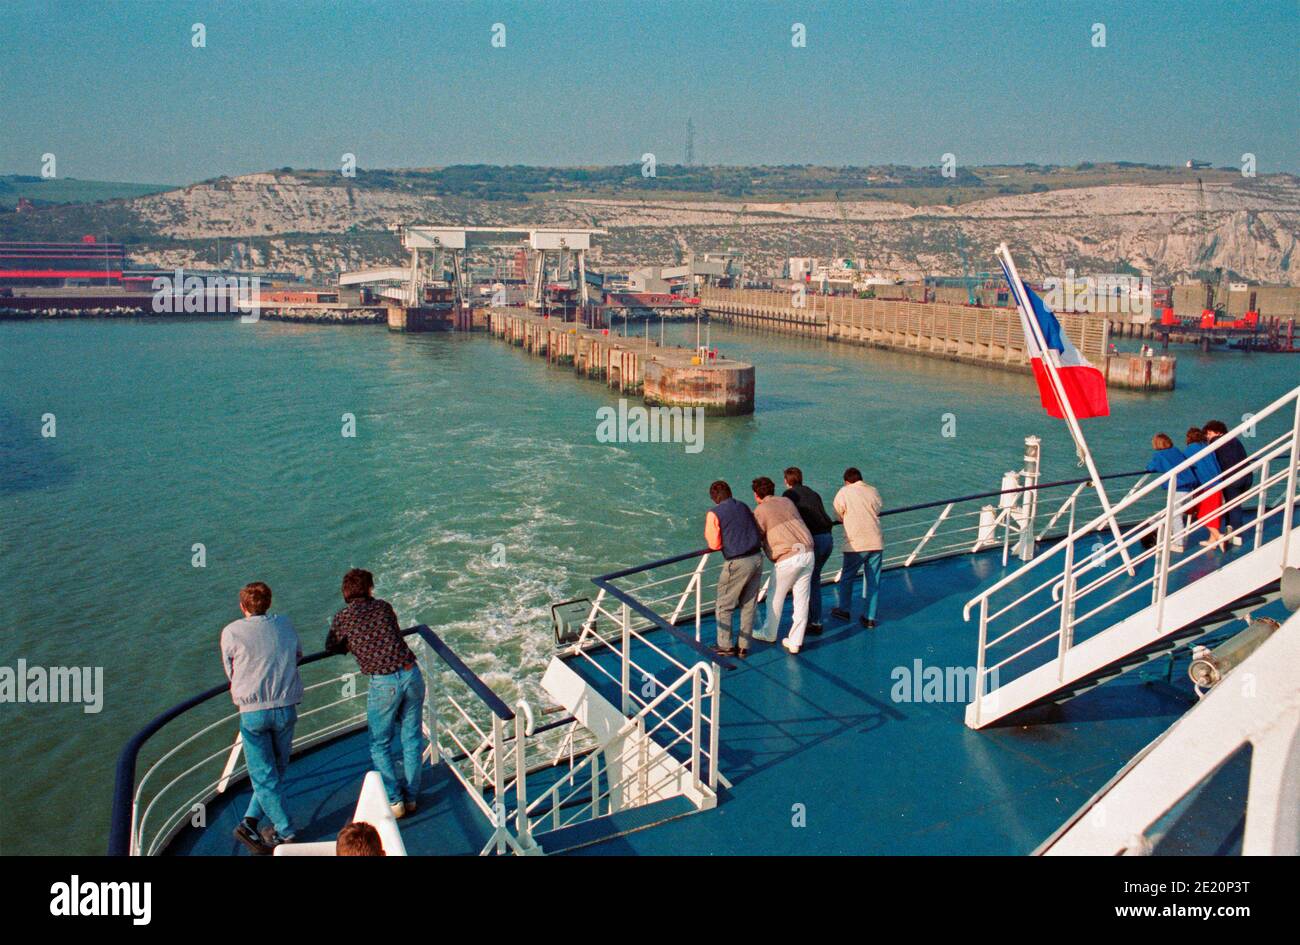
column 368, row 629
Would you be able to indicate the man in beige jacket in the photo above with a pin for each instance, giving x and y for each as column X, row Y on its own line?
column 789, row 545
column 858, row 506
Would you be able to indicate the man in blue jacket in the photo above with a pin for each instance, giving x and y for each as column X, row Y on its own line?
column 729, row 527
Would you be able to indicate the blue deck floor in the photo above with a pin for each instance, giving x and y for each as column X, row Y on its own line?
column 822, row 735
column 323, row 788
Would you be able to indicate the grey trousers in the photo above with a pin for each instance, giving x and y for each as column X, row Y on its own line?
column 738, row 586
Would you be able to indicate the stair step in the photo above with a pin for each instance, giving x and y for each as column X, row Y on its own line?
column 1162, row 647
column 1189, row 610
column 614, row 825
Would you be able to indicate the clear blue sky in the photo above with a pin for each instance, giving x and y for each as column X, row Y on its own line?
column 117, row 92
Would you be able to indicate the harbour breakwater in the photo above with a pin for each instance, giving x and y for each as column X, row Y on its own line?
column 304, row 314
column 990, row 337
column 668, row 376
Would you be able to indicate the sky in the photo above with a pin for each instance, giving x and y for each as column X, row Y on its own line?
column 118, row 91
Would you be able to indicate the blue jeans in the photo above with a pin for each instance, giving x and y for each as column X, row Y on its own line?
column 396, row 701
column 853, row 562
column 268, row 739
column 822, row 547
column 1236, row 514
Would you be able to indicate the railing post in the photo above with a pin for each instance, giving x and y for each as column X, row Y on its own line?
column 433, row 721
column 1288, row 511
column 696, row 709
column 980, row 660
column 522, row 828
column 498, row 782
column 1160, row 581
column 1261, row 506
column 699, row 594
column 1065, row 632
column 626, row 679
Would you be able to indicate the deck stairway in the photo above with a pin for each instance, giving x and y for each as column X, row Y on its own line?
column 1168, row 799
column 1065, row 622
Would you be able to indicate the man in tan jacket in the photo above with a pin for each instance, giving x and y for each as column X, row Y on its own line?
column 858, row 506
column 789, row 545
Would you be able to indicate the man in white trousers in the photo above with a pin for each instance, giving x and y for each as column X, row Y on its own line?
column 789, row 545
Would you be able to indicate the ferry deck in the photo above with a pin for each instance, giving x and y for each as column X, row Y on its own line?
column 881, row 741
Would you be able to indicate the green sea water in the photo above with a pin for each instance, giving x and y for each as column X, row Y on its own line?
column 475, row 488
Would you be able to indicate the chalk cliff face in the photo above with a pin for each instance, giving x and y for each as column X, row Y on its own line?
column 316, row 227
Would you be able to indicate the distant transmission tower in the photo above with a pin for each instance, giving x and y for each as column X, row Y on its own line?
column 690, row 142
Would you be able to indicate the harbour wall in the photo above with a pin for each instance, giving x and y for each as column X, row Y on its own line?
column 991, row 337
column 661, row 375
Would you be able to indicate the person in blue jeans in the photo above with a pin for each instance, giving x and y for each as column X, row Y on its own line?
column 869, row 562
column 368, row 629
column 396, row 703
column 260, row 655
column 858, row 505
column 819, row 523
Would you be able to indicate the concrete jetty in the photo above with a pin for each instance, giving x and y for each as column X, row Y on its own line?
column 990, row 337
column 674, row 377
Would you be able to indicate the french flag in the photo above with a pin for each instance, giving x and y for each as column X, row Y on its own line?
column 1083, row 384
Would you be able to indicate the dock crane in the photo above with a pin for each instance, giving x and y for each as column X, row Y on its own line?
column 1207, row 253
column 848, row 227
column 739, row 223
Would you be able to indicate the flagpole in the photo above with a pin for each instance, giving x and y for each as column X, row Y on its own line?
column 1026, row 310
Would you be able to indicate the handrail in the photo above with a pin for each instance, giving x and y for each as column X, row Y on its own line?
column 691, row 643
column 536, row 811
column 471, row 679
column 920, row 506
column 605, row 581
column 1128, row 501
column 120, row 815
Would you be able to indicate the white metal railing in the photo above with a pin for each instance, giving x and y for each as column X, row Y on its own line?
column 1060, row 591
column 659, row 746
column 681, row 591
column 640, row 690
column 177, row 786
column 487, row 746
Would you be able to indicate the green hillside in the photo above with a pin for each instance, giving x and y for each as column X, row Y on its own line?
column 39, row 190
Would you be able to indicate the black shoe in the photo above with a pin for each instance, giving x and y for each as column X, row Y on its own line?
column 840, row 614
column 272, row 839
column 869, row 624
column 815, row 629
column 726, row 651
column 742, row 653
column 246, row 833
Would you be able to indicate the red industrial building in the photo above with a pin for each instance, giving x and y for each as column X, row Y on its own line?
column 87, row 263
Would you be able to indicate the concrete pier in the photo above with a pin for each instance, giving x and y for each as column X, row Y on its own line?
column 662, row 376
column 986, row 336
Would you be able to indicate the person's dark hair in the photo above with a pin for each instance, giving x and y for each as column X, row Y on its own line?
column 1216, row 426
column 1195, row 435
column 763, row 487
column 719, row 491
column 794, row 476
column 853, row 474
column 1161, row 441
column 358, row 839
column 255, row 597
column 357, row 583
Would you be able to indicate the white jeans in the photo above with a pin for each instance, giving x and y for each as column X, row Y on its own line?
column 794, row 571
